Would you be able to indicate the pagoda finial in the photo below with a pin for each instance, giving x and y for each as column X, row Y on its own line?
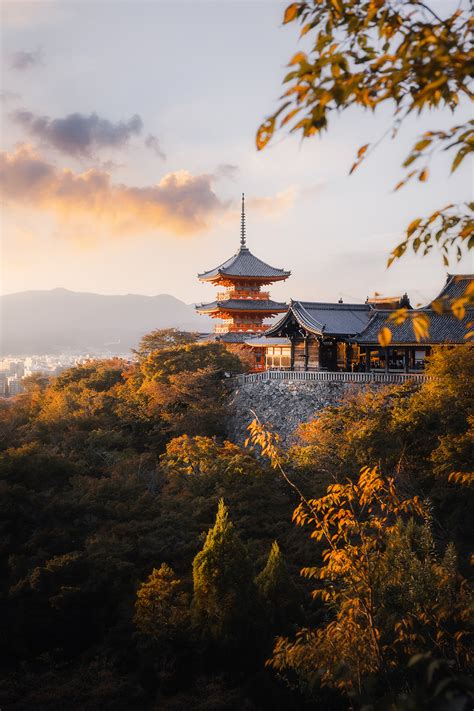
column 242, row 223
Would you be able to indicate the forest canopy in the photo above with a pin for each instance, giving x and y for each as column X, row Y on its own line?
column 149, row 563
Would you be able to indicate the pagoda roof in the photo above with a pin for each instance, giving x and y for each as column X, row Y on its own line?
column 325, row 319
column 243, row 305
column 245, row 264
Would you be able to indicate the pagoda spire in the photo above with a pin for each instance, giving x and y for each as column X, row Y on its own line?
column 242, row 224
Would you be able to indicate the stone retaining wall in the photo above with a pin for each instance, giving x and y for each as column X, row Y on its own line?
column 283, row 404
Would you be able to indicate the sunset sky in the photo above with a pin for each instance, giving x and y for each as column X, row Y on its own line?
column 128, row 133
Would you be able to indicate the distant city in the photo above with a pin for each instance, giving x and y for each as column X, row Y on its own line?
column 15, row 369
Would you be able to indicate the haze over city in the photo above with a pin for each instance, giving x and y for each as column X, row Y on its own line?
column 142, row 131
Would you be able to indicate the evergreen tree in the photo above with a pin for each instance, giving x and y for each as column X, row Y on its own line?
column 277, row 589
column 224, row 591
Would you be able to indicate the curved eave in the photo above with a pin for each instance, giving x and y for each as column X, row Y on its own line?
column 301, row 317
column 232, row 311
column 215, row 277
column 402, row 344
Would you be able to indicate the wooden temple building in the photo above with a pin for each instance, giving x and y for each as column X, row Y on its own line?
column 344, row 337
column 314, row 335
column 241, row 305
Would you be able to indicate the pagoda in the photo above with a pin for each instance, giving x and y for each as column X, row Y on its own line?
column 241, row 305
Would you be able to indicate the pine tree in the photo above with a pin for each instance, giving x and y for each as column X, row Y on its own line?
column 224, row 591
column 277, row 589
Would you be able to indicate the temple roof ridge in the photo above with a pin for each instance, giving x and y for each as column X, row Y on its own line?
column 245, row 264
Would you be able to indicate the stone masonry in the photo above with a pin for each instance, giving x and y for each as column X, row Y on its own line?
column 282, row 404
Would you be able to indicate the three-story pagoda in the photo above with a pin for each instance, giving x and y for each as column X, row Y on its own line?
column 241, row 305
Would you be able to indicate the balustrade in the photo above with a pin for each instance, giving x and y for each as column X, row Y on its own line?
column 249, row 295
column 334, row 377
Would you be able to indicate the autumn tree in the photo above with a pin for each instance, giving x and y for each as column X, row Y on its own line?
column 368, row 53
column 389, row 595
column 160, row 365
column 189, row 402
column 163, row 338
column 224, row 591
column 205, row 456
column 162, row 607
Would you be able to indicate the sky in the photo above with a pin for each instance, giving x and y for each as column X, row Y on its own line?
column 128, row 135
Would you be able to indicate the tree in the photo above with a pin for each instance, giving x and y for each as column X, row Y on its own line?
column 366, row 53
column 36, row 382
column 390, row 595
column 224, row 591
column 203, row 456
column 277, row 590
column 189, row 402
column 162, row 607
column 163, row 338
column 160, row 365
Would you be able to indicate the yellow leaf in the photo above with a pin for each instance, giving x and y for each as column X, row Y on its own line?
column 338, row 6
column 291, row 12
column 423, row 175
column 297, row 58
column 384, row 336
column 306, row 29
column 264, row 133
column 413, row 225
column 421, row 325
column 289, row 116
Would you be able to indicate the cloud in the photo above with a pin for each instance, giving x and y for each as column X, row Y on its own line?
column 312, row 191
column 77, row 134
column 6, row 96
column 227, row 171
column 21, row 60
column 180, row 203
column 153, row 143
column 274, row 205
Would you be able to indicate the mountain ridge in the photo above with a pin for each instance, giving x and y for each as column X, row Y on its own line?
column 59, row 320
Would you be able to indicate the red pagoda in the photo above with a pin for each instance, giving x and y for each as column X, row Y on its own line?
column 241, row 305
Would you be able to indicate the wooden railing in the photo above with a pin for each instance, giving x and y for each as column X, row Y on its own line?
column 236, row 294
column 330, row 377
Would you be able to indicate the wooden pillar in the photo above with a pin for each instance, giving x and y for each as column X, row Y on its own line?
column 292, row 352
column 367, row 359
column 386, row 360
column 306, row 352
column 348, row 356
column 407, row 360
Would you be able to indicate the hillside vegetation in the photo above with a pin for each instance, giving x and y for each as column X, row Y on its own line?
column 148, row 563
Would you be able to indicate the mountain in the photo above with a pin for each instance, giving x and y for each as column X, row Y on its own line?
column 58, row 321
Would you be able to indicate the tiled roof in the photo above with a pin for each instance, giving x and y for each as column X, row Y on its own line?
column 326, row 319
column 232, row 337
column 244, row 263
column 455, row 287
column 267, row 341
column 243, row 305
column 443, row 328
